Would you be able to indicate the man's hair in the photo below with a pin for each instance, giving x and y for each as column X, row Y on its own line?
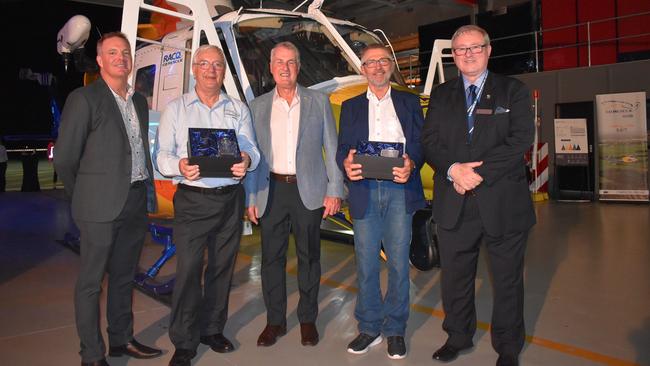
column 206, row 47
column 288, row 45
column 471, row 28
column 106, row 36
column 374, row 46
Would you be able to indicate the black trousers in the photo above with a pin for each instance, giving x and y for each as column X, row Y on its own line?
column 212, row 220
column 112, row 247
column 285, row 212
column 459, row 250
column 3, row 179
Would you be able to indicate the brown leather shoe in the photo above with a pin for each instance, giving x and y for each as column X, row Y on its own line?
column 308, row 334
column 270, row 335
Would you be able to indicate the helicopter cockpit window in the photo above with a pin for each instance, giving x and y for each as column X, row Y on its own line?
column 320, row 58
column 144, row 81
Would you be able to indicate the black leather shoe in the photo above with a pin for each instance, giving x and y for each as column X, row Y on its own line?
column 182, row 357
column 218, row 343
column 507, row 360
column 135, row 350
column 101, row 362
column 447, row 353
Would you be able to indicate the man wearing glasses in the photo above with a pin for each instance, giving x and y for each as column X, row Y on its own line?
column 476, row 132
column 208, row 211
column 382, row 209
column 294, row 187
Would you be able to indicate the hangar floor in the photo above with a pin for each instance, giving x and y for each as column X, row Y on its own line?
column 587, row 295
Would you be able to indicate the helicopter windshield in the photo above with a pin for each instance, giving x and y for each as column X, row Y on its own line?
column 320, row 59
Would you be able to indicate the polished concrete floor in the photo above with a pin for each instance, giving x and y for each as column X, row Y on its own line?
column 587, row 295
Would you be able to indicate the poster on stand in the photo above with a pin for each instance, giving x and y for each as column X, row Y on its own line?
column 571, row 144
column 623, row 146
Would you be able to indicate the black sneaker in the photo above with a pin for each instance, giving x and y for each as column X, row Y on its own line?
column 363, row 341
column 396, row 347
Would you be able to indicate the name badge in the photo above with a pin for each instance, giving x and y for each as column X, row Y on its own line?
column 483, row 111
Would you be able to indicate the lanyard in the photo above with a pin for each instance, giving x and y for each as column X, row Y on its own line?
column 470, row 109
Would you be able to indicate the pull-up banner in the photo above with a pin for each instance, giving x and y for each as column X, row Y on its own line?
column 623, row 146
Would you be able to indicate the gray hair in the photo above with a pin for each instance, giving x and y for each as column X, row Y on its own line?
column 206, row 47
column 288, row 45
column 374, row 46
column 471, row 28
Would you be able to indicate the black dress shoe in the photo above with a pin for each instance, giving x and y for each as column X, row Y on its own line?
column 218, row 343
column 182, row 357
column 135, row 350
column 447, row 353
column 507, row 360
column 270, row 335
column 101, row 362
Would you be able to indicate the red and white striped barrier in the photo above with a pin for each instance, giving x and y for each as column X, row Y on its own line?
column 539, row 175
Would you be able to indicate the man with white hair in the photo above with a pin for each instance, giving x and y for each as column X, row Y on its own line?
column 208, row 211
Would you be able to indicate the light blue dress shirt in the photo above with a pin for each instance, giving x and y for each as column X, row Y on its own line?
column 188, row 111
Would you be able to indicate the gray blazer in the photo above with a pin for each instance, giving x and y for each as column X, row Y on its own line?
column 93, row 155
column 317, row 173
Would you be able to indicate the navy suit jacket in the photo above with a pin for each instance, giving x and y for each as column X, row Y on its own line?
column 353, row 127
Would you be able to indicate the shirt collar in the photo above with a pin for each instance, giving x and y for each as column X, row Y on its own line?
column 191, row 97
column 277, row 97
column 129, row 92
column 478, row 82
column 371, row 96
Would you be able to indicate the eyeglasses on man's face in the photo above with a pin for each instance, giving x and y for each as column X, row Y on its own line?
column 462, row 51
column 384, row 61
column 207, row 65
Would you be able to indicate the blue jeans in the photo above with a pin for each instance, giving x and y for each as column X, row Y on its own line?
column 387, row 221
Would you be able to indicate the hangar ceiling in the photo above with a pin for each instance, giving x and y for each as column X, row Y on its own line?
column 397, row 18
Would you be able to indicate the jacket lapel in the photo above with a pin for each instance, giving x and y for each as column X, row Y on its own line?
column 112, row 109
column 305, row 111
column 485, row 103
column 402, row 113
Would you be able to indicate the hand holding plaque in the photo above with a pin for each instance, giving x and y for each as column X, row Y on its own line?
column 214, row 150
column 379, row 158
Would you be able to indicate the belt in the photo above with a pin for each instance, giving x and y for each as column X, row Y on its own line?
column 284, row 178
column 215, row 190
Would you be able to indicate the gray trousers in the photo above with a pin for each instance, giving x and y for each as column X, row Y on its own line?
column 212, row 220
column 112, row 247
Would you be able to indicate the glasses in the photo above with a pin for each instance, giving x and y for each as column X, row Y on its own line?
column 462, row 51
column 384, row 61
column 207, row 65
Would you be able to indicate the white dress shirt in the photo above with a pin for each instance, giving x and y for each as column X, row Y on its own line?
column 285, row 121
column 383, row 124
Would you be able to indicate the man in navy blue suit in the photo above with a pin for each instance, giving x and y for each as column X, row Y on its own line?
column 382, row 210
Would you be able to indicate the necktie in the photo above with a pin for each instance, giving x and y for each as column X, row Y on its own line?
column 471, row 97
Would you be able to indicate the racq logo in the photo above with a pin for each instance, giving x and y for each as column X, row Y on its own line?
column 172, row 58
column 617, row 106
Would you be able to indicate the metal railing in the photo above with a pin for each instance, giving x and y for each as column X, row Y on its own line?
column 584, row 43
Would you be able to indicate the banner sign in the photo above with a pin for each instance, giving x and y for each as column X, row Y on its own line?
column 623, row 146
column 571, row 146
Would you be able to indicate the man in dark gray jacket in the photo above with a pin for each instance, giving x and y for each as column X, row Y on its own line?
column 102, row 157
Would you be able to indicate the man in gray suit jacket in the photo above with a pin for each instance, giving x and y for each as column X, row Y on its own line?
column 102, row 157
column 293, row 188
